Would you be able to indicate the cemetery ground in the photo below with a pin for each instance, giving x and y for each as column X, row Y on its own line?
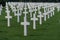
column 49, row 30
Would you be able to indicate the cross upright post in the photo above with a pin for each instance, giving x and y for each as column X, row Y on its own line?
column 40, row 17
column 8, row 18
column 34, row 21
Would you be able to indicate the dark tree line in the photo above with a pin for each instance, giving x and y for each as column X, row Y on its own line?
column 4, row 1
column 31, row 0
column 35, row 0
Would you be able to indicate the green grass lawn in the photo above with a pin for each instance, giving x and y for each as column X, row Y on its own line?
column 49, row 30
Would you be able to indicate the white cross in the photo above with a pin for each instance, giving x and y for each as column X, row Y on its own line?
column 35, row 10
column 53, row 10
column 21, row 9
column 48, row 13
column 25, row 10
column 30, row 10
column 14, row 10
column 38, row 8
column 8, row 17
column 40, row 17
column 44, row 10
column 44, row 14
column 25, row 7
column 25, row 23
column 34, row 21
column 6, row 7
column 18, row 15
